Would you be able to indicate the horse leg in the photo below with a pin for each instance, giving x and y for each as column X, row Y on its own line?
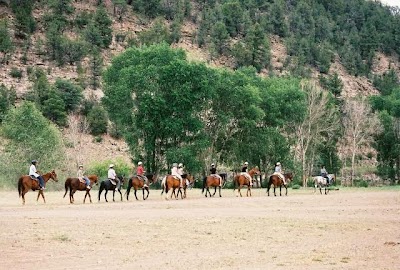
column 72, row 195
column 105, row 195
column 120, row 193
column 215, row 191
column 320, row 189
column 286, row 190
column 23, row 196
column 84, row 198
column 280, row 190
column 135, row 194
column 148, row 192
column 274, row 191
column 38, row 195
column 268, row 187
column 44, row 200
column 240, row 186
column 219, row 188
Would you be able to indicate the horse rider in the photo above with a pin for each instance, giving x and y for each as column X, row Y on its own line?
column 140, row 173
column 33, row 173
column 278, row 171
column 182, row 173
column 245, row 172
column 213, row 172
column 81, row 175
column 324, row 174
column 175, row 172
column 112, row 176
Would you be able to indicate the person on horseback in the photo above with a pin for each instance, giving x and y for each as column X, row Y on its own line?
column 245, row 172
column 182, row 173
column 140, row 172
column 112, row 176
column 33, row 173
column 175, row 172
column 324, row 174
column 278, row 171
column 213, row 172
column 81, row 175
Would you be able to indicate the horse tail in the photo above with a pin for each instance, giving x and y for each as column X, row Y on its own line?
column 235, row 182
column 204, row 183
column 67, row 184
column 164, row 180
column 20, row 186
column 128, row 189
column 102, row 184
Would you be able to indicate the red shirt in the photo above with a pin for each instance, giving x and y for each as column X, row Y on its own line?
column 140, row 170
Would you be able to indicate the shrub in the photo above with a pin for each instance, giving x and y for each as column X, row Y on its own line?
column 16, row 73
column 100, row 168
column 97, row 119
column 7, row 99
column 70, row 93
column 362, row 183
column 296, row 186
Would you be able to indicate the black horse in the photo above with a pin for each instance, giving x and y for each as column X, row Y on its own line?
column 107, row 185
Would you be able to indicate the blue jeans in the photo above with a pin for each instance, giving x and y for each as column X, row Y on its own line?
column 41, row 181
column 87, row 181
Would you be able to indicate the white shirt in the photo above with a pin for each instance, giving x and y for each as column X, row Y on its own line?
column 180, row 171
column 174, row 171
column 32, row 171
column 111, row 174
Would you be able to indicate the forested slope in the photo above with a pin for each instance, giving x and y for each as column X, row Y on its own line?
column 54, row 52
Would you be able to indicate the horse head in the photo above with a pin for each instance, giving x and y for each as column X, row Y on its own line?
column 94, row 178
column 289, row 176
column 121, row 179
column 254, row 171
column 53, row 175
column 190, row 178
column 152, row 178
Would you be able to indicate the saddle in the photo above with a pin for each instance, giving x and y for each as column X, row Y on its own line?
column 81, row 180
column 113, row 181
column 33, row 177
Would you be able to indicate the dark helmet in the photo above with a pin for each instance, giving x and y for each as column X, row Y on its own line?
column 34, row 161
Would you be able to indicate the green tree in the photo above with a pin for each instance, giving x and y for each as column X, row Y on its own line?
column 158, row 33
column 7, row 100
column 96, row 68
column 53, row 108
column 233, row 17
column 219, row 37
column 103, row 23
column 332, row 83
column 6, row 44
column 97, row 119
column 71, row 94
column 92, row 35
column 30, row 136
column 25, row 23
column 73, row 50
column 150, row 8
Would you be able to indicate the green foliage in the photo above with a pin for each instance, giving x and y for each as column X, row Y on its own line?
column 103, row 23
column 100, row 168
column 29, row 136
column 158, row 33
column 73, row 51
column 362, row 183
column 71, row 94
column 16, row 73
column 6, row 44
column 332, row 83
column 92, row 35
column 97, row 119
column 25, row 23
column 219, row 37
column 96, row 68
column 7, row 100
column 53, row 107
column 150, row 8
column 387, row 82
column 233, row 16
column 296, row 186
column 82, row 19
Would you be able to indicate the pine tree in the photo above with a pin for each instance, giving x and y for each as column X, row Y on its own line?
column 96, row 68
column 53, row 108
column 103, row 23
column 6, row 44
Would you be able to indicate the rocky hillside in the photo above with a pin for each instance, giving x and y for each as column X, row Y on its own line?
column 31, row 52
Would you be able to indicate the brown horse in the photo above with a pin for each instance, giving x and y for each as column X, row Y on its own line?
column 171, row 182
column 135, row 182
column 277, row 182
column 25, row 183
column 213, row 181
column 240, row 180
column 74, row 184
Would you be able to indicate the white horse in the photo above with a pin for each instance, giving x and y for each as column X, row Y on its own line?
column 321, row 182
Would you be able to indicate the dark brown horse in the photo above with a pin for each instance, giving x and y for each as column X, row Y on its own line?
column 74, row 184
column 278, row 182
column 171, row 182
column 240, row 180
column 136, row 182
column 213, row 181
column 25, row 183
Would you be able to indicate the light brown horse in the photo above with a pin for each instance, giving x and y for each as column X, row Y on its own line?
column 25, row 183
column 240, row 180
column 213, row 181
column 277, row 182
column 171, row 182
column 74, row 184
column 136, row 182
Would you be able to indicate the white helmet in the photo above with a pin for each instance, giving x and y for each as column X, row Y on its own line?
column 180, row 165
column 278, row 163
column 111, row 166
column 174, row 164
column 246, row 163
column 140, row 163
column 212, row 165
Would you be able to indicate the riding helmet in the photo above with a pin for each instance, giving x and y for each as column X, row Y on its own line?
column 246, row 163
column 111, row 166
column 140, row 163
column 34, row 161
column 180, row 165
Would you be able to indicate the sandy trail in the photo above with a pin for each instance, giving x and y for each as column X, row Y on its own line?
column 350, row 229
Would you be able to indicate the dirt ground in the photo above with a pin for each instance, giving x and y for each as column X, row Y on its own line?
column 347, row 229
